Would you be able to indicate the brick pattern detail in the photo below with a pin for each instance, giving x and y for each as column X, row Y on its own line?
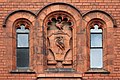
column 82, row 18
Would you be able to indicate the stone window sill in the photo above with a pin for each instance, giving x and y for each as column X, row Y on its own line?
column 24, row 71
column 97, row 71
column 60, row 70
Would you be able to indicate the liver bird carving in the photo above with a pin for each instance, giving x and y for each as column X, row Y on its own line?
column 59, row 24
column 60, row 42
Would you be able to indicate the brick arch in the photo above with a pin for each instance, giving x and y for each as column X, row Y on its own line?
column 96, row 21
column 41, row 15
column 94, row 14
column 58, row 3
column 18, row 14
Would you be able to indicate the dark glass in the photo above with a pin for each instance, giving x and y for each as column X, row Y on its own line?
column 22, row 58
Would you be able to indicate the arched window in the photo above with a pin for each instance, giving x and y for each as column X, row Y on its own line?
column 96, row 47
column 22, row 45
column 99, row 48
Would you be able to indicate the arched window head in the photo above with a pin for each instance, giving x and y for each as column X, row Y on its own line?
column 96, row 29
column 22, row 28
column 96, row 47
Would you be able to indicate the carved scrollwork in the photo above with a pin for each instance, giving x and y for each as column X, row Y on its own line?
column 24, row 22
column 60, row 22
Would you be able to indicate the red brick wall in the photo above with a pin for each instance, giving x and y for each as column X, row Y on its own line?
column 111, row 7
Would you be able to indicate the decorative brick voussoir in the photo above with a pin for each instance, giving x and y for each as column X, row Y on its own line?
column 55, row 8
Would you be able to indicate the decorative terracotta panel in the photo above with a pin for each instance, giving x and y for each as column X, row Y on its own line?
column 59, row 41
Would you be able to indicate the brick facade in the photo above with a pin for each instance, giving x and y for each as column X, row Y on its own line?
column 83, row 14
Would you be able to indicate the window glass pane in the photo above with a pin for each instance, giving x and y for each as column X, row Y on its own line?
column 22, row 40
column 96, row 30
column 22, row 58
column 96, row 40
column 96, row 58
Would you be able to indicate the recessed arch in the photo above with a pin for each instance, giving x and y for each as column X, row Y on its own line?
column 22, row 21
column 56, row 7
column 17, row 12
column 71, row 12
column 100, row 15
column 58, row 3
column 96, row 21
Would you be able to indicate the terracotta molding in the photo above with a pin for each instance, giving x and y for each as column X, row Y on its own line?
column 58, row 3
column 14, row 12
column 113, row 20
